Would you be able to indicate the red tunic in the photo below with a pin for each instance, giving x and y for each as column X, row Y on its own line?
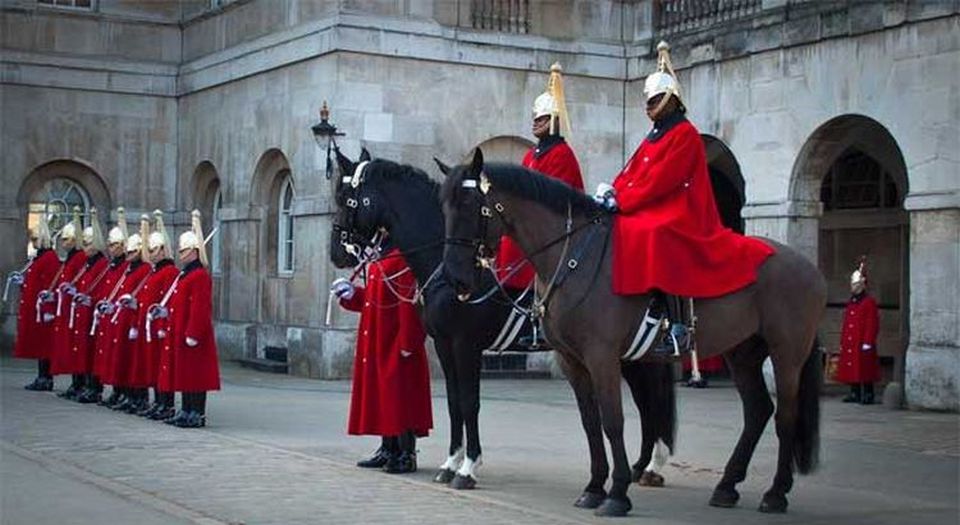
column 195, row 368
column 146, row 355
column 33, row 339
column 109, row 291
column 861, row 322
column 122, row 346
column 73, row 268
column 668, row 233
column 552, row 157
column 78, row 357
column 391, row 378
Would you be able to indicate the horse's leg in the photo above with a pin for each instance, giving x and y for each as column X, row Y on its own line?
column 467, row 361
column 605, row 375
column 788, row 385
column 448, row 469
column 579, row 379
column 745, row 363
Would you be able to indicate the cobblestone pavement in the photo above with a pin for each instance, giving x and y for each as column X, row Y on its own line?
column 275, row 453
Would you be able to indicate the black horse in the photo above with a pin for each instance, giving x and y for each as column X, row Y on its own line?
column 402, row 200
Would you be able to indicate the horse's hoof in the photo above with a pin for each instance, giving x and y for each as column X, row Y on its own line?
column 590, row 500
column 773, row 504
column 613, row 508
column 650, row 479
column 463, row 482
column 724, row 498
column 444, row 476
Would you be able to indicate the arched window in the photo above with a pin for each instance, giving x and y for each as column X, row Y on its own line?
column 285, row 227
column 215, row 223
column 56, row 199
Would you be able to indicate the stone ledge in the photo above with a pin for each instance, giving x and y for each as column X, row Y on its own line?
column 932, row 201
column 758, row 210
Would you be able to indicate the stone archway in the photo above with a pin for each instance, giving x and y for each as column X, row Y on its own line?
column 503, row 148
column 727, row 180
column 56, row 187
column 853, row 168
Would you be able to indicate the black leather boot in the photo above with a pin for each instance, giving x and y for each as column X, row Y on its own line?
column 73, row 390
column 406, row 461
column 676, row 341
column 867, row 397
column 854, row 395
column 44, row 381
column 388, row 446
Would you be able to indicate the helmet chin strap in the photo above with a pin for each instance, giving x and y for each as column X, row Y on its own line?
column 661, row 105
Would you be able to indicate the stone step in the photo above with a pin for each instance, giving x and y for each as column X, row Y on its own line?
column 264, row 365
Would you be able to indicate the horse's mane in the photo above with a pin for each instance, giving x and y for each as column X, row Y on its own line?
column 404, row 173
column 535, row 186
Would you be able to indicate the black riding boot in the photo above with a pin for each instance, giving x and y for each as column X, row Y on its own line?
column 44, row 381
column 165, row 410
column 186, row 405
column 388, row 448
column 854, row 395
column 867, row 398
column 674, row 342
column 91, row 392
column 76, row 383
column 195, row 417
column 406, row 461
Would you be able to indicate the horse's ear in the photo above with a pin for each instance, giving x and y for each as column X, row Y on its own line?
column 476, row 166
column 364, row 154
column 443, row 167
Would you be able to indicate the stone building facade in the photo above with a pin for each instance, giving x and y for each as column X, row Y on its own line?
column 833, row 126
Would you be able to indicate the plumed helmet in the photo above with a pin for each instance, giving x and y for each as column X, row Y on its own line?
column 118, row 234
column 42, row 232
column 193, row 239
column 92, row 235
column 70, row 231
column 134, row 243
column 159, row 237
column 553, row 102
column 859, row 276
column 664, row 80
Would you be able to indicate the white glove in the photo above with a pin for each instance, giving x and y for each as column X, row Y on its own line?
column 191, row 342
column 605, row 196
column 342, row 288
column 161, row 334
column 47, row 318
column 866, row 347
column 132, row 334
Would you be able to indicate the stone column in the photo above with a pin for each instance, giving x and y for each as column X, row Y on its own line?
column 13, row 231
column 932, row 375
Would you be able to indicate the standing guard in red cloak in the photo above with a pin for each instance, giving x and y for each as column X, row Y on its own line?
column 78, row 358
column 859, row 365
column 122, row 326
column 34, row 322
column 74, row 267
column 104, row 297
column 667, row 234
column 195, row 369
column 153, row 329
column 391, row 378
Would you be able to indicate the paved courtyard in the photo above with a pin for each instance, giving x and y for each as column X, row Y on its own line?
column 275, row 452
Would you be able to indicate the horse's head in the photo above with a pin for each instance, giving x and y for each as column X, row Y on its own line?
column 472, row 229
column 354, row 224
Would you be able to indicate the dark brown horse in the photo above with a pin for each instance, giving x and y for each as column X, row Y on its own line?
column 591, row 327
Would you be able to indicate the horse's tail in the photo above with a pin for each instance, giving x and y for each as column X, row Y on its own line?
column 806, row 447
column 660, row 397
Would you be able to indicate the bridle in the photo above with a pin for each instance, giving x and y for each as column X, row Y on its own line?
column 353, row 242
column 565, row 265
